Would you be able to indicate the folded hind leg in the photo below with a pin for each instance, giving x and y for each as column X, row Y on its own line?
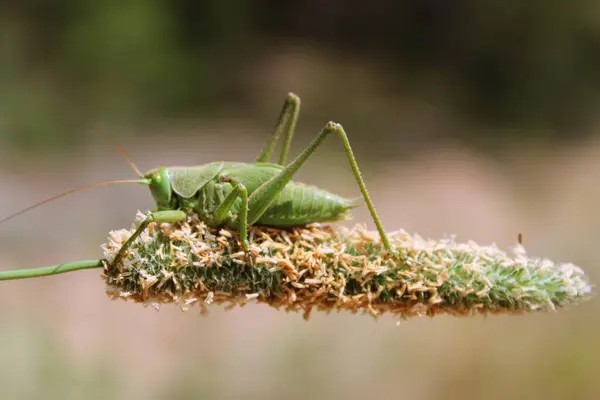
column 285, row 123
column 264, row 195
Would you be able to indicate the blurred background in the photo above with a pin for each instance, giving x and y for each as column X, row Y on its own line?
column 470, row 118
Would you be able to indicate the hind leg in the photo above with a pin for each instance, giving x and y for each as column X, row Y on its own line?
column 263, row 196
column 285, row 123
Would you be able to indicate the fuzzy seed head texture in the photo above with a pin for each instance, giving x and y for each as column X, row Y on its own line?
column 318, row 267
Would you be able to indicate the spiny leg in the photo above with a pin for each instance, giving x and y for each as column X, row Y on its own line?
column 239, row 190
column 286, row 122
column 264, row 195
column 361, row 183
column 158, row 216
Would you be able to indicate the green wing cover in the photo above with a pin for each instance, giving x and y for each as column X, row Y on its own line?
column 251, row 175
column 186, row 181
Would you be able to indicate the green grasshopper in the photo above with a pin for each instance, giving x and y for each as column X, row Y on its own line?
column 237, row 195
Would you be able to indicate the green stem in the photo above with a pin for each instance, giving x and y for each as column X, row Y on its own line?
column 50, row 270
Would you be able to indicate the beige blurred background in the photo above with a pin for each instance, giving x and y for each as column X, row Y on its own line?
column 474, row 120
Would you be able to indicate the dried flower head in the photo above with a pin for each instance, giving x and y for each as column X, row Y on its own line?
column 319, row 267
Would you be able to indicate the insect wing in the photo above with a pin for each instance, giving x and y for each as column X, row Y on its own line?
column 186, row 181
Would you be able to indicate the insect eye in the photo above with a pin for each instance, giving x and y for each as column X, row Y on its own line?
column 157, row 178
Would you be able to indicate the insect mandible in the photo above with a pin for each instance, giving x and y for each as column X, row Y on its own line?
column 237, row 195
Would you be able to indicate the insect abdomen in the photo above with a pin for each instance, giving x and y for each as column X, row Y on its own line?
column 299, row 204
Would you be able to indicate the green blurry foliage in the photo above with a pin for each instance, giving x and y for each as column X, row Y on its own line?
column 68, row 66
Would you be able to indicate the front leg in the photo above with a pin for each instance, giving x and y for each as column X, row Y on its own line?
column 157, row 216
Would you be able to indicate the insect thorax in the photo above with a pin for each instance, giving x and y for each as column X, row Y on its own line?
column 208, row 198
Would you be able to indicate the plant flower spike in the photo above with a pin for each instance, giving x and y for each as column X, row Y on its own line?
column 233, row 233
column 317, row 267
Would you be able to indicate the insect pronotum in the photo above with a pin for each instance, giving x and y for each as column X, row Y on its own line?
column 236, row 194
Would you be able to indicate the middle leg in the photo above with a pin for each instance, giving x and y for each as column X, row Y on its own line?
column 239, row 190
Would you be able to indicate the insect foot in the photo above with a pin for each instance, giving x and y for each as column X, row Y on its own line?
column 293, row 97
column 333, row 126
column 317, row 267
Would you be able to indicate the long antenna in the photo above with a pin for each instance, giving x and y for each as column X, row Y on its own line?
column 131, row 163
column 142, row 181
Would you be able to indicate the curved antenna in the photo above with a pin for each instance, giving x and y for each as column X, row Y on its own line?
column 131, row 163
column 93, row 185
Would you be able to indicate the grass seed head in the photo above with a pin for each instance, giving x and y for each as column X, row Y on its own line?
column 322, row 268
